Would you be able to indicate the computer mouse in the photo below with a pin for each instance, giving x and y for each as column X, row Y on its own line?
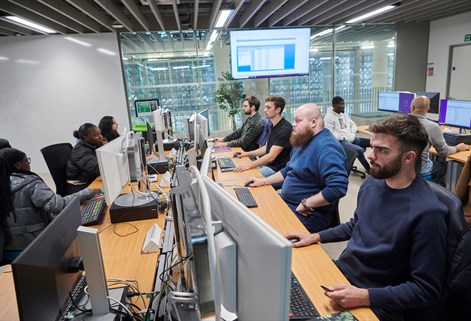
column 236, row 154
column 293, row 240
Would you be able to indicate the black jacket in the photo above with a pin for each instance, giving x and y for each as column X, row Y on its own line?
column 83, row 163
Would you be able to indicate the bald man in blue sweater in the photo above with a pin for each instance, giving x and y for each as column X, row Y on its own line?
column 396, row 254
column 315, row 177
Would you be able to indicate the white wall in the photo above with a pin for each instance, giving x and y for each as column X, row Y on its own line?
column 49, row 86
column 443, row 33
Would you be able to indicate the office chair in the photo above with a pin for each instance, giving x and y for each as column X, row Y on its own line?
column 351, row 156
column 457, row 287
column 56, row 157
column 355, row 169
column 463, row 190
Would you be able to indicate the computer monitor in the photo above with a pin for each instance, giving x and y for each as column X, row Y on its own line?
column 434, row 101
column 455, row 113
column 190, row 128
column 205, row 168
column 48, row 269
column 150, row 138
column 202, row 119
column 263, row 257
column 114, row 166
column 398, row 102
column 145, row 107
column 191, row 241
column 168, row 123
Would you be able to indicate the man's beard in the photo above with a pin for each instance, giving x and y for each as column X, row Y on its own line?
column 300, row 139
column 247, row 112
column 388, row 170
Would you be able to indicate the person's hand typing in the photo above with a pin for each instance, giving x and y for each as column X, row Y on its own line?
column 461, row 147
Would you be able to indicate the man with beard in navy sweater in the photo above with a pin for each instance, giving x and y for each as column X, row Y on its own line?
column 315, row 177
column 396, row 254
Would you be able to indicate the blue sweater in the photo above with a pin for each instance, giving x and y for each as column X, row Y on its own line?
column 318, row 166
column 397, row 244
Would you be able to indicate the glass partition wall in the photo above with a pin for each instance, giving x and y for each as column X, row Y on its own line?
column 181, row 69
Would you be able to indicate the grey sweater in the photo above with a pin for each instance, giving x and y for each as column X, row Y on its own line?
column 435, row 139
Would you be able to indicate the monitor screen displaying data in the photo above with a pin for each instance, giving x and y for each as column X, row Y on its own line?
column 145, row 107
column 269, row 53
column 455, row 113
column 397, row 102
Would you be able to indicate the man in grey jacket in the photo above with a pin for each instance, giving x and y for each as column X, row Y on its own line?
column 432, row 170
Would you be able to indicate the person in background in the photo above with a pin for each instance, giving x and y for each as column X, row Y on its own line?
column 344, row 129
column 396, row 252
column 82, row 168
column 315, row 177
column 275, row 153
column 432, row 170
column 4, row 143
column 109, row 128
column 246, row 136
column 27, row 203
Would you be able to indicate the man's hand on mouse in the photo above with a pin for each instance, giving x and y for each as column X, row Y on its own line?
column 304, row 238
column 253, row 182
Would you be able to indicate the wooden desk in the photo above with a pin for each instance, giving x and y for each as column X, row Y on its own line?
column 311, row 264
column 121, row 255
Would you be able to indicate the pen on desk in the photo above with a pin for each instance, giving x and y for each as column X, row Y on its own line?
column 326, row 288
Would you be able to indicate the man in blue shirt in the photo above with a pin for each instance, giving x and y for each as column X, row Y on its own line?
column 396, row 254
column 315, row 177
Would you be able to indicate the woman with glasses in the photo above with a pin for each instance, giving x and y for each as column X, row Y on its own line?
column 26, row 203
column 109, row 128
column 82, row 168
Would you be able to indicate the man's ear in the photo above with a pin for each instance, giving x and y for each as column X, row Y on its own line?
column 409, row 157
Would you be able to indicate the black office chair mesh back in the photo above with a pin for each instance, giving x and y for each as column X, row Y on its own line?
column 351, row 156
column 56, row 157
column 458, row 279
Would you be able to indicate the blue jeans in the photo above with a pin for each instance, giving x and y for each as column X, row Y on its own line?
column 357, row 146
column 267, row 171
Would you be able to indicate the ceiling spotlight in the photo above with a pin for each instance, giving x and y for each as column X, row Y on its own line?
column 117, row 25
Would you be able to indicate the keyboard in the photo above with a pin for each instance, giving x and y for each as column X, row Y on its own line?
column 69, row 310
column 300, row 306
column 225, row 164
column 93, row 212
column 245, row 196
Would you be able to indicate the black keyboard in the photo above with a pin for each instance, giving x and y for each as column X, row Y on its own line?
column 93, row 212
column 300, row 306
column 225, row 164
column 245, row 196
column 69, row 310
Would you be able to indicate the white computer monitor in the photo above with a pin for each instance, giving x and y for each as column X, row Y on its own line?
column 114, row 166
column 205, row 168
column 202, row 120
column 263, row 257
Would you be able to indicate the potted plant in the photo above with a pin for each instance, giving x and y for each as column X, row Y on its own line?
column 229, row 95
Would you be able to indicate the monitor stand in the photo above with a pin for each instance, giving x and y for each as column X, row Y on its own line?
column 119, row 294
column 158, row 165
